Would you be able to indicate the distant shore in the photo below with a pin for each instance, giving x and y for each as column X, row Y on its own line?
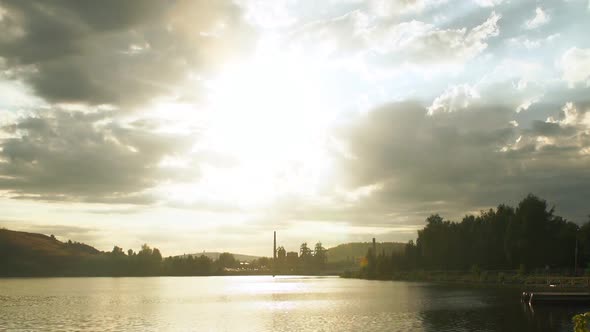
column 488, row 279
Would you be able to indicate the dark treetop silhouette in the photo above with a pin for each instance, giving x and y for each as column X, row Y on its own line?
column 529, row 236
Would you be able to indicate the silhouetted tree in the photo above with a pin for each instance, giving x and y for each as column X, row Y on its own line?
column 118, row 251
column 304, row 250
column 227, row 260
column 320, row 256
column 281, row 253
column 528, row 237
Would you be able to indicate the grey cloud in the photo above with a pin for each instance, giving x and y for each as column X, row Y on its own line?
column 463, row 161
column 543, row 128
column 63, row 232
column 403, row 136
column 85, row 157
column 48, row 229
column 209, row 206
column 111, row 211
column 113, row 52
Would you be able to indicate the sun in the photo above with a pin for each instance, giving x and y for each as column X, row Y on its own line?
column 267, row 115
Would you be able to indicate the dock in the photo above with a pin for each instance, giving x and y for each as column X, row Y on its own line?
column 556, row 297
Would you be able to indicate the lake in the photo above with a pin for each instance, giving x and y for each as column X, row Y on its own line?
column 261, row 303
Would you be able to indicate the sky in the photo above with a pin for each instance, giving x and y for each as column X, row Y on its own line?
column 206, row 125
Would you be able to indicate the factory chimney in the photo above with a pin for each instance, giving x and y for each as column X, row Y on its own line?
column 274, row 253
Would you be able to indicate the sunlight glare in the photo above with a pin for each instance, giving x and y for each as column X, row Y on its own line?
column 268, row 115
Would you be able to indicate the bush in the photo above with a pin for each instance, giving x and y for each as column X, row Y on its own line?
column 581, row 322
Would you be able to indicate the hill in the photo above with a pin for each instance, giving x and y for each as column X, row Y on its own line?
column 352, row 252
column 38, row 254
column 215, row 255
column 23, row 243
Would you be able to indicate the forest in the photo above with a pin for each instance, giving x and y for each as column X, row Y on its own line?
column 528, row 237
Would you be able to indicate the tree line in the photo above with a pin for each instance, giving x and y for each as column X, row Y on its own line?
column 306, row 261
column 149, row 262
column 39, row 255
column 31, row 254
column 528, row 237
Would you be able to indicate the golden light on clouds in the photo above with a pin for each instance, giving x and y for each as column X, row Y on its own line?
column 231, row 117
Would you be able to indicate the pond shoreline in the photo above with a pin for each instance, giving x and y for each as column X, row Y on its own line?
column 522, row 283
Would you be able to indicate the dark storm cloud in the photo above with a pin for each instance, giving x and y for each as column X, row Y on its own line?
column 85, row 157
column 116, row 52
column 456, row 162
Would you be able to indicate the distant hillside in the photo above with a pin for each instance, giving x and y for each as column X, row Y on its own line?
column 38, row 254
column 23, row 243
column 215, row 255
column 355, row 250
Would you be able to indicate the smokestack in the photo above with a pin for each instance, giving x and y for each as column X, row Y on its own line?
column 274, row 255
column 374, row 248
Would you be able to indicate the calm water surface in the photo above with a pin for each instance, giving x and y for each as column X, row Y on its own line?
column 260, row 303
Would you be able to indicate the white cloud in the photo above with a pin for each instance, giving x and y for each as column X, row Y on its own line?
column 541, row 18
column 488, row 3
column 388, row 8
column 454, row 99
column 486, row 29
column 419, row 42
column 524, row 106
column 338, row 36
column 519, row 72
column 414, row 42
column 575, row 64
column 268, row 14
column 530, row 44
column 572, row 116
